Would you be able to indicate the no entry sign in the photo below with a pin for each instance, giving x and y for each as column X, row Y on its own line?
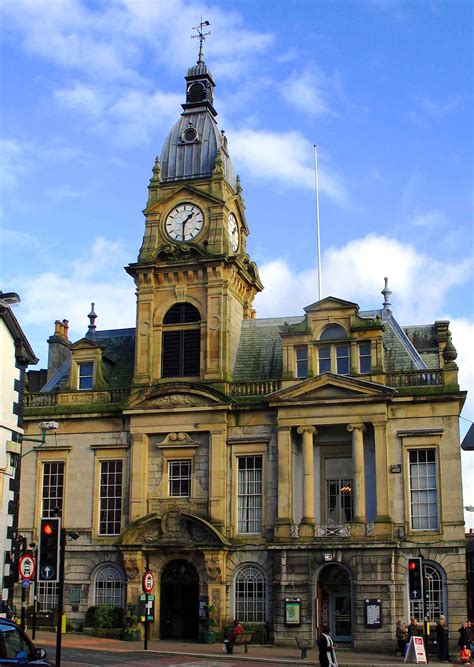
column 26, row 567
column 148, row 582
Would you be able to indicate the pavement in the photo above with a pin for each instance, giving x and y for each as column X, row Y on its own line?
column 266, row 654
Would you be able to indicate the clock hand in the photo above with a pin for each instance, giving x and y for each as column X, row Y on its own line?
column 185, row 221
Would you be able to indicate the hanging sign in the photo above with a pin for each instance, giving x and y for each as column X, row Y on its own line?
column 26, row 567
column 416, row 651
column 148, row 582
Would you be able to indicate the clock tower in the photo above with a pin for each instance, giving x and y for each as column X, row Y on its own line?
column 195, row 281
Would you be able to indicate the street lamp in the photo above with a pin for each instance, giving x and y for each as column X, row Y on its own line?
column 469, row 508
column 8, row 299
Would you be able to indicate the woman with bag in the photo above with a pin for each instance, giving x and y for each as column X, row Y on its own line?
column 464, row 648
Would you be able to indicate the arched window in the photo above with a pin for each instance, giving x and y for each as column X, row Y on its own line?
column 250, row 595
column 196, row 92
column 434, row 599
column 334, row 358
column 181, row 350
column 109, row 586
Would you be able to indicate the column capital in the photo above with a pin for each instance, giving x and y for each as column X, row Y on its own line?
column 356, row 427
column 306, row 429
column 379, row 421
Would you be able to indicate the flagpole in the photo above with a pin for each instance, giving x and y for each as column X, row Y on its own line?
column 317, row 220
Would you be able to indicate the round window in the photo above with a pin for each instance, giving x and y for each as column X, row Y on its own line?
column 190, row 134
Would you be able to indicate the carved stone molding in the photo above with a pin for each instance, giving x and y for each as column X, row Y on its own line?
column 180, row 439
column 176, row 401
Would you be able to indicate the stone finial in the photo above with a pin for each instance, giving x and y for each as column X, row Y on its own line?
column 92, row 318
column 156, row 178
column 449, row 353
column 218, row 171
column 238, row 185
column 387, row 306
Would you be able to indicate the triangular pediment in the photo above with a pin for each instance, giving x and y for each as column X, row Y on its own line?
column 179, row 395
column 86, row 344
column 331, row 387
column 183, row 191
column 331, row 303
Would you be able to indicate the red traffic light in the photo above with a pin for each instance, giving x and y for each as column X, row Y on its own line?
column 412, row 565
column 48, row 529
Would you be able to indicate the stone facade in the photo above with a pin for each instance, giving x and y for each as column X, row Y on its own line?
column 288, row 478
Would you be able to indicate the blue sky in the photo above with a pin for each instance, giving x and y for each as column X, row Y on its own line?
column 383, row 87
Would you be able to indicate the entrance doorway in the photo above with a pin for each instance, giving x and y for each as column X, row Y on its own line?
column 334, row 602
column 179, row 601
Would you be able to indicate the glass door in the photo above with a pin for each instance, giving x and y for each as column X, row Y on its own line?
column 342, row 621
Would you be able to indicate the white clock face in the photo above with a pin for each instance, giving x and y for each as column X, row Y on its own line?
column 184, row 222
column 233, row 232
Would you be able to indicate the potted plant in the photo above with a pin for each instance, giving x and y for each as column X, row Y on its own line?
column 207, row 634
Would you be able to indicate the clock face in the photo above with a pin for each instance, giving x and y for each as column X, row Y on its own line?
column 184, row 222
column 233, row 232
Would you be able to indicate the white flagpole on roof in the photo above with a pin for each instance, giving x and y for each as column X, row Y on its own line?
column 320, row 288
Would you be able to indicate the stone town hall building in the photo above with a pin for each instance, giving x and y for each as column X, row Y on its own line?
column 260, row 462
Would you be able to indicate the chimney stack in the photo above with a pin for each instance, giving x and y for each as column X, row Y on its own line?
column 58, row 347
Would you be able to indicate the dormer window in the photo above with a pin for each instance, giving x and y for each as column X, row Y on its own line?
column 335, row 357
column 181, row 349
column 365, row 358
column 85, row 375
column 301, row 359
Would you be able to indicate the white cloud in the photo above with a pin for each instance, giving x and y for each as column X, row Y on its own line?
column 13, row 162
column 286, row 157
column 426, row 109
column 82, row 97
column 429, row 219
column 307, row 92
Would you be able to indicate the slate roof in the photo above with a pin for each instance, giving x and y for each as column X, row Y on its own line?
column 259, row 355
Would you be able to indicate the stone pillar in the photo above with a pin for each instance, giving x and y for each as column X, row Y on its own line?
column 217, row 481
column 358, row 482
column 308, row 474
column 381, row 471
column 285, row 476
column 138, row 476
column 215, row 563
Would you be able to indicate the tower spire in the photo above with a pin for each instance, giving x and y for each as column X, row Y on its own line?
column 201, row 36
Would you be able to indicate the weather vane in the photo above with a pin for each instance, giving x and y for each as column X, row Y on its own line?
column 201, row 36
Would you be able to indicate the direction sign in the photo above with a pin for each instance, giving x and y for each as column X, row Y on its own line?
column 26, row 567
column 47, row 572
column 148, row 582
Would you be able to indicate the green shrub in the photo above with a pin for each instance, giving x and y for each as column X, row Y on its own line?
column 105, row 616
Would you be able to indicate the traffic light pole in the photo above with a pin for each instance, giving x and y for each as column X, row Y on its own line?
column 62, row 551
column 425, row 620
column 145, row 645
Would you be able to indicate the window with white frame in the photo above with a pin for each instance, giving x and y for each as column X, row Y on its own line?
column 179, row 478
column 423, row 489
column 52, row 494
column 110, row 497
column 301, row 358
column 250, row 595
column 85, row 375
column 109, row 586
column 365, row 358
column 334, row 354
column 434, row 600
column 339, row 494
column 250, row 494
column 47, row 596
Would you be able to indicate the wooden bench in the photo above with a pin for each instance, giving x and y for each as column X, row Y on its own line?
column 303, row 647
column 243, row 638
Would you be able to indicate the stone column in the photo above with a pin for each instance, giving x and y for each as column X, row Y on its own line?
column 381, row 470
column 138, row 476
column 217, row 481
column 308, row 473
column 358, row 482
column 285, row 475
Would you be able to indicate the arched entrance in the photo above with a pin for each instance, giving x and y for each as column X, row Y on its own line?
column 334, row 602
column 179, row 601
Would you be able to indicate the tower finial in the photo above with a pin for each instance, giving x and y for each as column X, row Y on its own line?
column 387, row 306
column 201, row 36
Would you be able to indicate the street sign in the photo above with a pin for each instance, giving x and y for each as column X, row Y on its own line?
column 148, row 582
column 47, row 573
column 26, row 567
column 26, row 583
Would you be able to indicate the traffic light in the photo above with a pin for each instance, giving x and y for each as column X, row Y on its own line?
column 48, row 551
column 415, row 578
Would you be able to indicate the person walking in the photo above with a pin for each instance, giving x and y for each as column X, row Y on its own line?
column 229, row 642
column 401, row 635
column 464, row 647
column 442, row 639
column 327, row 654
